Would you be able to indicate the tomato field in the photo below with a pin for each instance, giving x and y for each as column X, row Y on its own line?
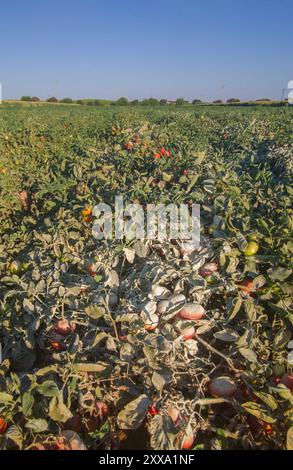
column 144, row 344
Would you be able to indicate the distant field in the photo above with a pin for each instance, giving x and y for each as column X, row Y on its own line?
column 85, row 101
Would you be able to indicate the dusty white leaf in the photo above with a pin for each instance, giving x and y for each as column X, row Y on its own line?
column 226, row 335
column 192, row 346
column 129, row 254
column 113, row 279
column 248, row 354
column 132, row 416
column 159, row 293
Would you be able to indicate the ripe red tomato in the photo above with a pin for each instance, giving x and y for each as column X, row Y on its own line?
column 151, row 322
column 91, row 269
column 188, row 333
column 64, row 327
column 188, row 441
column 173, row 413
column 276, row 379
column 96, row 416
column 153, row 410
column 192, row 312
column 101, row 410
column 24, row 200
column 150, row 327
column 222, row 387
column 129, row 145
column 268, row 429
column 3, row 425
column 56, row 345
column 208, row 269
column 287, row 380
column 122, row 338
column 247, row 286
column 163, row 151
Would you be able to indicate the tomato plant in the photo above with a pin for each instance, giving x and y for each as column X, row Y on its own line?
column 171, row 340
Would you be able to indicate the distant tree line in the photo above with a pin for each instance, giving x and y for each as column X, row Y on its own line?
column 153, row 101
column 30, row 98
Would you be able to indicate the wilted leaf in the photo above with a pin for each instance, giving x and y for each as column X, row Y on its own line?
column 14, row 433
column 140, row 249
column 6, row 397
column 280, row 274
column 158, row 342
column 113, row 279
column 163, row 433
column 132, row 416
column 281, row 339
column 48, row 389
column 129, row 254
column 161, row 378
column 95, row 311
column 99, row 368
column 226, row 335
column 37, row 425
column 289, row 441
column 248, row 354
column 257, row 410
column 233, row 307
column 27, row 403
column 28, row 306
column 283, row 392
column 46, row 370
column 267, row 399
column 58, row 411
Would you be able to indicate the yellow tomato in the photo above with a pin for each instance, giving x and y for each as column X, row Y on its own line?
column 15, row 267
column 87, row 214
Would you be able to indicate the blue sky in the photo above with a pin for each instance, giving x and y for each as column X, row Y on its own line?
column 203, row 49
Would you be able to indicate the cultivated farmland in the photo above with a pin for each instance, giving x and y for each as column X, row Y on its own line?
column 145, row 344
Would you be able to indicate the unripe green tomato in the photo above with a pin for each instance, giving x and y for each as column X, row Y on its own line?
column 252, row 249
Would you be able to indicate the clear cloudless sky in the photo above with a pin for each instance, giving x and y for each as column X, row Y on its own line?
column 204, row 49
